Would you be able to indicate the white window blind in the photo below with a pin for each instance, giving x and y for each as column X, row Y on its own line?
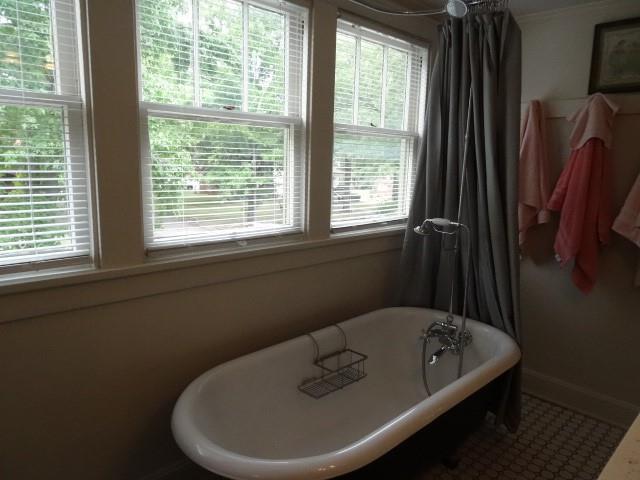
column 379, row 85
column 222, row 88
column 44, row 207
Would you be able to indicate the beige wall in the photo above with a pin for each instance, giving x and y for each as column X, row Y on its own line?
column 90, row 370
column 91, row 364
column 87, row 394
column 579, row 349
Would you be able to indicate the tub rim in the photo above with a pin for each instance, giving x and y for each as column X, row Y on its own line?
column 197, row 446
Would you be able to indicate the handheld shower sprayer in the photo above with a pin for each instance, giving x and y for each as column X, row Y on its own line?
column 438, row 225
column 457, row 341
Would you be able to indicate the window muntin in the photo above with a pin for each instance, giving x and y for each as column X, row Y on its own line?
column 44, row 201
column 224, row 154
column 378, row 101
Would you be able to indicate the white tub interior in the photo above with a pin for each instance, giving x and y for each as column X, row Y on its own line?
column 252, row 406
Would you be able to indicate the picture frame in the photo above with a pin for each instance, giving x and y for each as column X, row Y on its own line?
column 615, row 59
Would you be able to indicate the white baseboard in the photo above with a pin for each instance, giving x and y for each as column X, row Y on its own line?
column 168, row 470
column 589, row 402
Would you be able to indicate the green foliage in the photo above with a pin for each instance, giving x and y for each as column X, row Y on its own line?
column 167, row 55
column 33, row 178
column 367, row 173
column 26, row 47
column 370, row 98
column 218, row 171
column 228, row 162
column 345, row 78
column 397, row 63
column 371, row 71
column 369, row 169
column 221, row 69
column 33, row 168
column 166, row 40
column 266, row 61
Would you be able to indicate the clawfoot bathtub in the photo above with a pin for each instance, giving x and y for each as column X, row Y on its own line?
column 247, row 419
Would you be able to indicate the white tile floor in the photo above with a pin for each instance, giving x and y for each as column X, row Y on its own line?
column 552, row 443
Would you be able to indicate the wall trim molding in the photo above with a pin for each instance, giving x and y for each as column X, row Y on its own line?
column 573, row 10
column 177, row 259
column 131, row 284
column 581, row 399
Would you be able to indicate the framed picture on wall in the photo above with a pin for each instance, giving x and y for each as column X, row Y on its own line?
column 615, row 61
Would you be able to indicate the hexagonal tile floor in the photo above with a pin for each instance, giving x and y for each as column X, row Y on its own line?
column 552, row 443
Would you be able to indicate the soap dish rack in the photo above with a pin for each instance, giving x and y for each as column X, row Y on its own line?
column 338, row 369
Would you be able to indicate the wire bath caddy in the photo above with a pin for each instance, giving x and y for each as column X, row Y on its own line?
column 337, row 370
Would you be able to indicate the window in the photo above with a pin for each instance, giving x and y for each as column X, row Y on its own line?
column 44, row 205
column 378, row 102
column 222, row 108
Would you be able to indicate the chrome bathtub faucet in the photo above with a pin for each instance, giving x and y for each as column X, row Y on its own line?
column 452, row 342
column 450, row 339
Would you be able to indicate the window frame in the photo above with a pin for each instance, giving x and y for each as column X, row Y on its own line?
column 364, row 30
column 70, row 67
column 296, row 125
column 113, row 145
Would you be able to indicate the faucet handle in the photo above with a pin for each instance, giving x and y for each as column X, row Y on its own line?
column 441, row 330
column 448, row 327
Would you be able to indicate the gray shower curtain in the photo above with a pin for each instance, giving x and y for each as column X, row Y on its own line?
column 480, row 54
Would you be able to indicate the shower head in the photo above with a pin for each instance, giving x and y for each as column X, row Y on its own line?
column 456, row 8
column 424, row 229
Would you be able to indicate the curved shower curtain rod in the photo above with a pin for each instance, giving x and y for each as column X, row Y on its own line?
column 454, row 8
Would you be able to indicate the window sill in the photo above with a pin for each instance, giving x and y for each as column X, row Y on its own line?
column 175, row 259
column 74, row 288
column 43, row 278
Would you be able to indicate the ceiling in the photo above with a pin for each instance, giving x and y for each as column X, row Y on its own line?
column 518, row 7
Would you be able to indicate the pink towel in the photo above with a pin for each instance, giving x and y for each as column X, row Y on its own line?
column 534, row 171
column 627, row 223
column 583, row 192
column 583, row 195
column 593, row 120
